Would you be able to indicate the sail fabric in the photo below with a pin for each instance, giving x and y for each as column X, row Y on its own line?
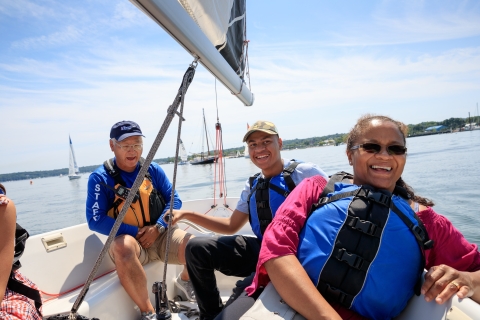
column 224, row 24
column 73, row 167
column 183, row 152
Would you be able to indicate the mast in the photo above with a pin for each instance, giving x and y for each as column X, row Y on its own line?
column 206, row 135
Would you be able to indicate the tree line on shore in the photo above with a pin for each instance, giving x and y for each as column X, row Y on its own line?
column 451, row 124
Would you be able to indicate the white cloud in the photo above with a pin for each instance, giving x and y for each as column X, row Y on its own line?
column 67, row 36
column 25, row 8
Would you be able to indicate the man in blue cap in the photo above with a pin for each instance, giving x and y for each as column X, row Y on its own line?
column 141, row 237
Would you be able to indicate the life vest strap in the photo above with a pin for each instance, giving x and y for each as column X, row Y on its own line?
column 279, row 190
column 423, row 240
column 21, row 236
column 337, row 177
column 418, row 231
column 260, row 190
column 15, row 285
column 287, row 172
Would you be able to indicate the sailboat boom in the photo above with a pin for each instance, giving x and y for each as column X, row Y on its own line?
column 171, row 16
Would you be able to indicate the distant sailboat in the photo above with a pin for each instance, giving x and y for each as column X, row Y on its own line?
column 73, row 171
column 245, row 152
column 204, row 159
column 183, row 154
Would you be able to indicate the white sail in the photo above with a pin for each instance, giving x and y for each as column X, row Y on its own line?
column 183, row 152
column 245, row 152
column 73, row 171
column 175, row 20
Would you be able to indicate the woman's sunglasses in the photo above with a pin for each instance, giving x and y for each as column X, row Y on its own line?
column 376, row 148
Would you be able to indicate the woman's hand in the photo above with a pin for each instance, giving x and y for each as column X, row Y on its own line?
column 442, row 282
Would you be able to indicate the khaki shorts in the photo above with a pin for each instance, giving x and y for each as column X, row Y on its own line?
column 158, row 249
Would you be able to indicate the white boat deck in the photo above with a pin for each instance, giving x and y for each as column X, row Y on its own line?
column 72, row 253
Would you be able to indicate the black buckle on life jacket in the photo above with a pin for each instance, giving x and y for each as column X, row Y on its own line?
column 351, row 259
column 261, row 185
column 420, row 234
column 366, row 227
column 322, row 201
column 261, row 204
column 337, row 295
column 378, row 197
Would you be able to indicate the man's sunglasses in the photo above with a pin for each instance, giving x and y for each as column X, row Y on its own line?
column 376, row 148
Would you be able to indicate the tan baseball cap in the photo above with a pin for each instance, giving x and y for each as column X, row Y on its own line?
column 261, row 125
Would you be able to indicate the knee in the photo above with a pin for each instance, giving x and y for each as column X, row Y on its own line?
column 196, row 248
column 123, row 250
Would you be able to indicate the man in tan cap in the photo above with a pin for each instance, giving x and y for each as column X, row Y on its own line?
column 263, row 193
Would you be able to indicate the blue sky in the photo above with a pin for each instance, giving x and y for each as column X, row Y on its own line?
column 77, row 67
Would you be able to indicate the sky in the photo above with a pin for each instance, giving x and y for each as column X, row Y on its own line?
column 74, row 68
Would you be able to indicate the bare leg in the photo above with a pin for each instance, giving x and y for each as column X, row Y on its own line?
column 125, row 250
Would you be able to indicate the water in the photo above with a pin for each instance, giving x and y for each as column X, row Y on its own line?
column 444, row 168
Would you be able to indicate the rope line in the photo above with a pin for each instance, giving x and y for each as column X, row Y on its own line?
column 186, row 82
column 57, row 295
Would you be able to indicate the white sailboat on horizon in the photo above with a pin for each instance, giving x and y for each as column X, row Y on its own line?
column 245, row 152
column 73, row 171
column 183, row 154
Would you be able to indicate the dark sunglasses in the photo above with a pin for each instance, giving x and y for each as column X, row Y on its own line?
column 376, row 148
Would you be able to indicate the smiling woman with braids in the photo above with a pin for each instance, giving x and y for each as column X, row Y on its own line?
column 353, row 250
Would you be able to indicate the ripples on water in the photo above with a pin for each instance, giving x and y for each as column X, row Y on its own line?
column 445, row 168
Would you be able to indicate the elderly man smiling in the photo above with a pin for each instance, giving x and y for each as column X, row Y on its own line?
column 141, row 237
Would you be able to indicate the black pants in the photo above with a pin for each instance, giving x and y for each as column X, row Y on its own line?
column 231, row 255
column 239, row 302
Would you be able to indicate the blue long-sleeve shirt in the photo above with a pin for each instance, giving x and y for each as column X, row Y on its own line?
column 100, row 198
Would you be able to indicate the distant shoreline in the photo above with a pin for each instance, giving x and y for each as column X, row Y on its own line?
column 288, row 145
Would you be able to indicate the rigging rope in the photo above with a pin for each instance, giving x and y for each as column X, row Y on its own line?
column 219, row 167
column 219, row 163
column 171, row 112
column 184, row 89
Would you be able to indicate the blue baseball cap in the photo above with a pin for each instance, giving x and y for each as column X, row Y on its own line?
column 124, row 129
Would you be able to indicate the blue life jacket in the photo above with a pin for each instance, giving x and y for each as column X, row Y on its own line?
column 266, row 196
column 364, row 248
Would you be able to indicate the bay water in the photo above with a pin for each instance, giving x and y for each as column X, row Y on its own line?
column 443, row 167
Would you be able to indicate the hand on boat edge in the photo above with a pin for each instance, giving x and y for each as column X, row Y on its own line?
column 442, row 282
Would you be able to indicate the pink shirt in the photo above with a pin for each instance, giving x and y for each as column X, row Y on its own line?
column 282, row 237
